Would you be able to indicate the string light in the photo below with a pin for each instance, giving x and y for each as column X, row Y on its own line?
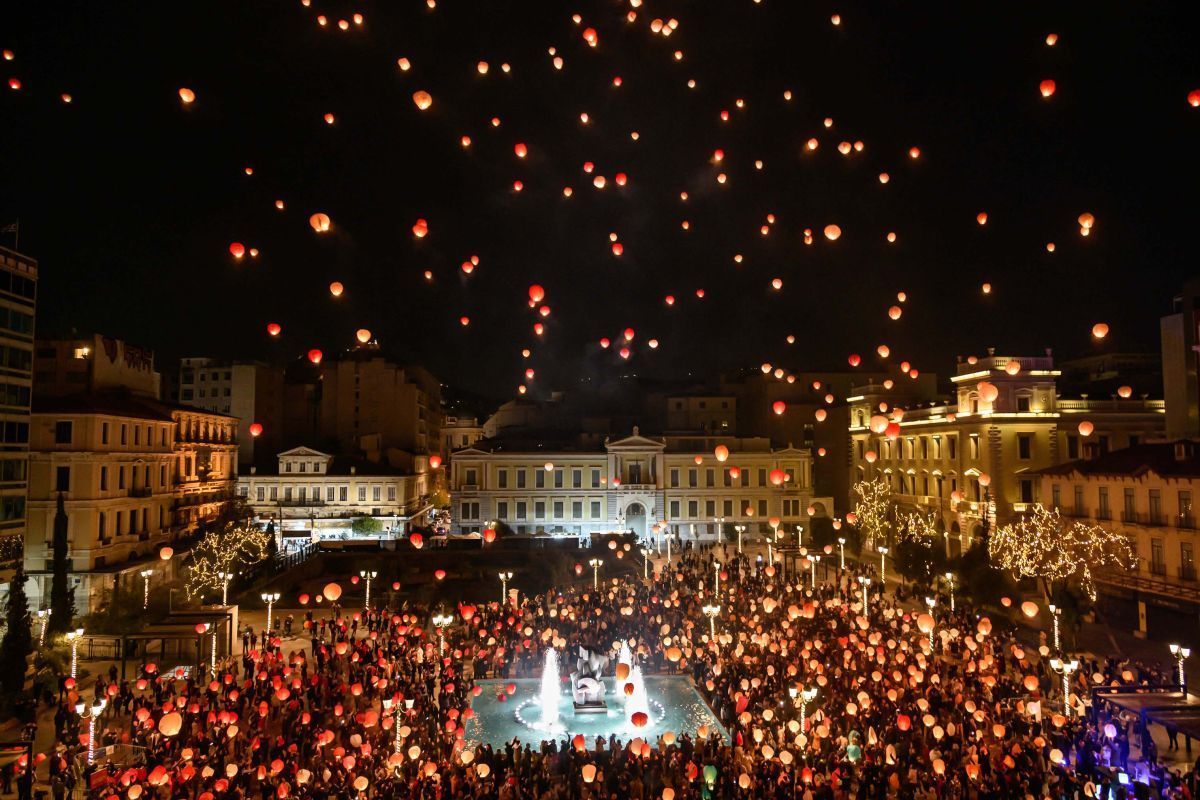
column 219, row 552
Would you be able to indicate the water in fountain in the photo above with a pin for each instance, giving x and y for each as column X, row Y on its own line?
column 639, row 700
column 624, row 656
column 549, row 694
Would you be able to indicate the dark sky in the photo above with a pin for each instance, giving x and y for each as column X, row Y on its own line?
column 130, row 200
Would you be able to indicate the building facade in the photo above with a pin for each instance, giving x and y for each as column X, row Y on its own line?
column 635, row 483
column 979, row 454
column 459, row 432
column 250, row 391
column 133, row 474
column 1147, row 492
column 18, row 301
column 315, row 495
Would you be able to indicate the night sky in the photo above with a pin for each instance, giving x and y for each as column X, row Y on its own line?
column 130, row 198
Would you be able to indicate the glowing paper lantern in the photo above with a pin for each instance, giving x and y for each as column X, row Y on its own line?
column 187, row 96
column 363, row 335
column 165, row 553
column 417, row 540
column 1086, row 428
column 319, row 222
column 832, row 232
column 435, row 461
column 779, row 407
column 256, row 429
column 1047, row 87
column 422, row 99
column 170, row 724
column 1100, row 330
column 1029, row 609
column 315, row 356
column 274, row 329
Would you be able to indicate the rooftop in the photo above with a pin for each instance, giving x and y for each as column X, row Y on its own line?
column 1179, row 459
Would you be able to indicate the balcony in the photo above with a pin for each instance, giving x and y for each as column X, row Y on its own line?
column 1157, row 568
column 1077, row 512
column 1132, row 517
column 1156, row 518
column 1187, row 572
column 642, row 487
column 1186, row 522
column 1104, row 513
column 300, row 503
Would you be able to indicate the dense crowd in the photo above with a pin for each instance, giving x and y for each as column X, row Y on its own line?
column 910, row 702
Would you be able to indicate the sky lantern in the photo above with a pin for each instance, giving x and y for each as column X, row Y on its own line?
column 274, row 329
column 363, row 335
column 591, row 37
column 165, row 553
column 435, row 461
column 981, row 218
column 187, row 96
column 986, row 288
column 883, row 350
column 1100, row 330
column 894, row 312
column 319, row 222
column 1051, row 39
column 420, row 229
column 988, row 392
column 1047, row 87
column 832, row 232
column 237, row 249
column 914, row 153
column 336, row 288
column 820, row 414
column 777, row 477
column 536, row 293
column 256, row 429
column 422, row 99
column 1125, row 392
column 779, row 407
column 1086, row 221
column 464, row 321
column 520, row 150
column 1086, row 428
column 315, row 356
column 1193, row 98
column 855, row 359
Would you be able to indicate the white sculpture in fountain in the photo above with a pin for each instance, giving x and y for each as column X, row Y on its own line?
column 587, row 689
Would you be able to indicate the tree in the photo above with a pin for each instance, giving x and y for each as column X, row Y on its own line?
column 1040, row 546
column 872, row 510
column 18, row 638
column 62, row 600
column 365, row 525
column 223, row 551
column 272, row 544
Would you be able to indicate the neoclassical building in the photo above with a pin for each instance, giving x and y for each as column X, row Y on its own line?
column 582, row 486
column 981, row 452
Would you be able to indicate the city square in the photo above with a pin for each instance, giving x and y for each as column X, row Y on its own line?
column 636, row 399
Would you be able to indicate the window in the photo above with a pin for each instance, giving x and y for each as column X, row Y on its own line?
column 1023, row 403
column 1185, row 504
column 576, row 479
column 376, row 494
column 471, row 477
column 974, row 447
column 162, row 476
column 635, row 473
column 103, row 433
column 1072, row 447
column 1078, row 510
column 302, row 494
column 260, row 494
column 274, row 495
column 762, row 508
column 137, row 435
column 539, row 509
column 1158, row 564
column 121, row 477
column 595, row 509
column 693, row 508
column 1130, row 504
column 103, row 479
column 674, row 479
column 287, row 493
column 362, row 494
column 727, row 508
column 710, row 477
column 1024, row 446
column 520, row 479
column 391, row 494
column 710, row 508
column 63, row 432
column 502, row 509
column 595, row 478
column 1102, row 510
column 62, row 479
column 1187, row 561
column 558, row 509
column 539, row 479
column 762, row 477
column 558, row 479
column 674, row 506
column 287, row 467
column 470, row 510
column 952, row 447
column 102, row 530
column 343, row 494
column 330, row 494
column 1156, row 506
column 124, row 435
column 304, row 466
column 522, row 509
column 1026, row 490
column 693, row 478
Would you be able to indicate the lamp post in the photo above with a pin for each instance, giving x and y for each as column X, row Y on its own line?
column 930, row 602
column 1181, row 654
column 740, row 530
column 73, row 637
column 950, row 581
column 595, row 564
column 801, row 698
column 1065, row 668
column 1055, row 613
column 212, row 652
column 883, row 551
column 841, row 552
column 645, row 564
column 865, row 582
column 440, row 621
column 711, row 612
column 44, row 615
column 394, row 705
column 716, row 578
column 90, row 714
column 269, row 598
column 367, row 575
column 225, row 578
column 146, row 573
column 505, row 577
column 800, row 536
column 812, row 562
column 720, row 523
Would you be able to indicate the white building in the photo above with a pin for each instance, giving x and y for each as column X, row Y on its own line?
column 313, row 494
column 573, row 488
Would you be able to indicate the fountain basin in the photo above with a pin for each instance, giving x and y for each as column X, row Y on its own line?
column 675, row 706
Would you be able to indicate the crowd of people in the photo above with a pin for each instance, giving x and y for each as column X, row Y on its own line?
column 910, row 702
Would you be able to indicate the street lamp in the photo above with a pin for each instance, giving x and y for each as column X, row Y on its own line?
column 716, row 578
column 812, row 562
column 841, row 552
column 645, row 564
column 1065, row 668
column 711, row 612
column 269, row 598
column 388, row 703
column 146, row 573
column 367, row 575
column 800, row 536
column 1181, row 654
column 225, row 578
column 90, row 714
column 930, row 602
column 505, row 577
column 801, row 698
column 73, row 637
column 740, row 530
column 883, row 551
column 1055, row 613
column 441, row 620
column 865, row 582
column 212, row 655
column 950, row 580
column 720, row 523
column 596, row 563
column 44, row 615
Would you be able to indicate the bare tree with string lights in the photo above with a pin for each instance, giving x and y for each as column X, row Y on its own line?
column 222, row 552
column 873, row 509
column 1041, row 546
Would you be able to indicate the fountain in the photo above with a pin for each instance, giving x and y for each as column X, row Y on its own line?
column 637, row 700
column 549, row 694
